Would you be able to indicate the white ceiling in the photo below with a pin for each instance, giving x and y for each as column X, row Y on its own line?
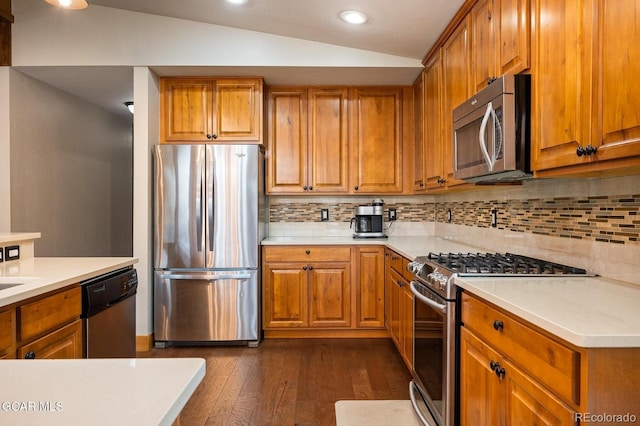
column 405, row 28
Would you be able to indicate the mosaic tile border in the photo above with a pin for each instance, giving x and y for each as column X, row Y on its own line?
column 611, row 219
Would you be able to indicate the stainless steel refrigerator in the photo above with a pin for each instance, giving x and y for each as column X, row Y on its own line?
column 209, row 219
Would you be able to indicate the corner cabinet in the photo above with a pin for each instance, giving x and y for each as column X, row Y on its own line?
column 513, row 373
column 585, row 87
column 211, row 109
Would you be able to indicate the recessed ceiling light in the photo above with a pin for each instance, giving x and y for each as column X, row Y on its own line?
column 354, row 17
column 69, row 4
column 238, row 1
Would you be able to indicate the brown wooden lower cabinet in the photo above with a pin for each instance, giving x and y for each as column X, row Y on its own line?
column 63, row 343
column 322, row 291
column 512, row 372
column 399, row 305
column 47, row 326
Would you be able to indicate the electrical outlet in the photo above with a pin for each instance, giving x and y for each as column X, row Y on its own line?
column 324, row 215
column 393, row 215
column 12, row 253
column 449, row 215
column 494, row 218
column 1, row 254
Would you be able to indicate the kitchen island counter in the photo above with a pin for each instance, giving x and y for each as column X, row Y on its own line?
column 589, row 312
column 142, row 391
column 40, row 275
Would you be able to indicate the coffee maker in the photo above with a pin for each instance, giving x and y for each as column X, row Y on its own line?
column 368, row 220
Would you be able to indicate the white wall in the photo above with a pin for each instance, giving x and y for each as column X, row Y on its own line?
column 146, row 97
column 5, row 142
column 71, row 172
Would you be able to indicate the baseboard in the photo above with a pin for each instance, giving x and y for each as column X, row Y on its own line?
column 144, row 343
column 315, row 334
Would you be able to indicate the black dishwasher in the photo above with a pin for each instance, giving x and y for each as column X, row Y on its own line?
column 109, row 314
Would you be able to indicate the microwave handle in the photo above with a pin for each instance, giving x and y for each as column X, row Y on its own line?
column 482, row 140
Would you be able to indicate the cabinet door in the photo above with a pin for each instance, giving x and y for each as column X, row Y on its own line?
column 186, row 110
column 433, row 124
column 419, row 148
column 514, row 35
column 530, row 404
column 287, row 156
column 394, row 290
column 7, row 333
column 557, row 85
column 285, row 295
column 376, row 140
column 484, row 25
column 482, row 393
column 64, row 343
column 616, row 71
column 330, row 286
column 238, row 104
column 406, row 324
column 328, row 140
column 456, row 75
column 370, row 287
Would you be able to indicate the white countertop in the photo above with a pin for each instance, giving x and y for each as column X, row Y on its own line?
column 45, row 274
column 12, row 237
column 139, row 391
column 588, row 312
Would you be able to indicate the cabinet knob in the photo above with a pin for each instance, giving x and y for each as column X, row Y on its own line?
column 304, row 268
column 212, row 136
column 355, row 188
column 580, row 151
column 311, row 188
column 500, row 372
column 399, row 283
column 498, row 325
column 590, row 149
column 305, row 187
column 30, row 355
column 308, row 251
column 310, row 268
column 493, row 365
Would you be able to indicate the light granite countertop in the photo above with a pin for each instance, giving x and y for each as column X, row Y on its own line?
column 136, row 391
column 41, row 275
column 589, row 312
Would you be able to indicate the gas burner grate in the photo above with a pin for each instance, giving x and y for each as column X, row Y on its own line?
column 501, row 263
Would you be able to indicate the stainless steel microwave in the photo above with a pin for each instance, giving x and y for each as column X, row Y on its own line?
column 492, row 132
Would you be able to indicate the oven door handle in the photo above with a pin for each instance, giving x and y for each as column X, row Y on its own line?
column 432, row 303
column 414, row 404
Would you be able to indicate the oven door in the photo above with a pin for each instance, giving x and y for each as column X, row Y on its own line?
column 434, row 353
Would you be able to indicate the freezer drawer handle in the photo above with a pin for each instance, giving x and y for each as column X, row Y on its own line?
column 206, row 277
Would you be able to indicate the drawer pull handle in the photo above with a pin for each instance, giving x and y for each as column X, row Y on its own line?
column 498, row 325
column 308, row 251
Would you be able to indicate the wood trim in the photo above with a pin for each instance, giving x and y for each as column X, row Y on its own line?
column 144, row 343
column 5, row 11
column 457, row 19
column 333, row 334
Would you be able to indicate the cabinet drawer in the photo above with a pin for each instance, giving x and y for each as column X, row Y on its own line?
column 46, row 314
column 7, row 330
column 550, row 362
column 307, row 254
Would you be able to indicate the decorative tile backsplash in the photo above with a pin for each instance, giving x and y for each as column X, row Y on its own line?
column 611, row 219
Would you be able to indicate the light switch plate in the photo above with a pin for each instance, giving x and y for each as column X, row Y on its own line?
column 12, row 253
column 324, row 215
column 1, row 254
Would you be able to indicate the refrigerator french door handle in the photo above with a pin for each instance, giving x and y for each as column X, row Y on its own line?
column 210, row 198
column 205, row 277
column 199, row 195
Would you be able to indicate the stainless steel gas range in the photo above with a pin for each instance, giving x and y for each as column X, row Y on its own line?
column 436, row 322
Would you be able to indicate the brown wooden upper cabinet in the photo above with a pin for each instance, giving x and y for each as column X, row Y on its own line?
column 585, row 87
column 336, row 140
column 308, row 143
column 500, row 34
column 211, row 110
column 376, row 140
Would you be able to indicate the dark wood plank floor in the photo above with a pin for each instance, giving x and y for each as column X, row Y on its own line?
column 290, row 381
